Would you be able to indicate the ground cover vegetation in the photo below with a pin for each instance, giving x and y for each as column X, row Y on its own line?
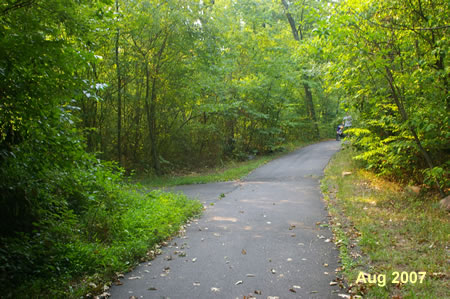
column 93, row 90
column 381, row 228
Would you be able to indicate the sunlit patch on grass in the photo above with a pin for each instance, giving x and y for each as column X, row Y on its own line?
column 391, row 229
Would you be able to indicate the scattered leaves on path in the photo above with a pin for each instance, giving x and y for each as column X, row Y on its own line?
column 134, row 277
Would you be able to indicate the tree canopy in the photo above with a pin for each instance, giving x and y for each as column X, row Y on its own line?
column 92, row 90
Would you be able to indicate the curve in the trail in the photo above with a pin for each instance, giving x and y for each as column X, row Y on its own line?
column 262, row 239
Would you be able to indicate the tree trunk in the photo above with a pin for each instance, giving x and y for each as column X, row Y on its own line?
column 308, row 95
column 119, row 94
column 404, row 115
column 150, row 107
column 152, row 124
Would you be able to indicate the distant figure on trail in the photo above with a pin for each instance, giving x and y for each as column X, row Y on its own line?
column 347, row 121
column 340, row 132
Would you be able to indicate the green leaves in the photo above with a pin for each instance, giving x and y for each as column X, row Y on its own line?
column 389, row 73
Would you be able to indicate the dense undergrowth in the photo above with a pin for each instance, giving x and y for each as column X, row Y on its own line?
column 86, row 226
column 380, row 228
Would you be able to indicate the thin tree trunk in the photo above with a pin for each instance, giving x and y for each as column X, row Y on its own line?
column 150, row 107
column 152, row 124
column 119, row 94
column 404, row 115
column 308, row 95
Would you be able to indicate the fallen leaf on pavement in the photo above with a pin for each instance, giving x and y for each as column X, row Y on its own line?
column 333, row 283
column 238, row 282
column 215, row 290
column 244, row 251
column 104, row 295
column 273, row 271
column 258, row 292
column 152, row 289
column 250, row 275
column 297, row 287
column 134, row 277
column 292, row 290
column 196, row 283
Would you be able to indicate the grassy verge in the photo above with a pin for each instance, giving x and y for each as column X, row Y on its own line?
column 83, row 253
column 232, row 170
column 381, row 229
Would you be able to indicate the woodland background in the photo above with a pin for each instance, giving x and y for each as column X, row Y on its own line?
column 162, row 87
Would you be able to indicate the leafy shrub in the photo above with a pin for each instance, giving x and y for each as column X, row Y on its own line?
column 89, row 222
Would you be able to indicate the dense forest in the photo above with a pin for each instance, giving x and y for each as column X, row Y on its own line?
column 94, row 90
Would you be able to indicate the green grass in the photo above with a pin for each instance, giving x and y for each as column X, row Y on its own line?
column 106, row 240
column 230, row 171
column 381, row 229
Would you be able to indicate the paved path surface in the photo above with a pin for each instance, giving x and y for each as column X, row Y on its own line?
column 262, row 236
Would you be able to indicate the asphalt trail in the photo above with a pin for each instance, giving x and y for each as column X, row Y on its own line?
column 262, row 236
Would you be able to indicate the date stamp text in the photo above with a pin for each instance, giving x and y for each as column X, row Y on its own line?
column 396, row 278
